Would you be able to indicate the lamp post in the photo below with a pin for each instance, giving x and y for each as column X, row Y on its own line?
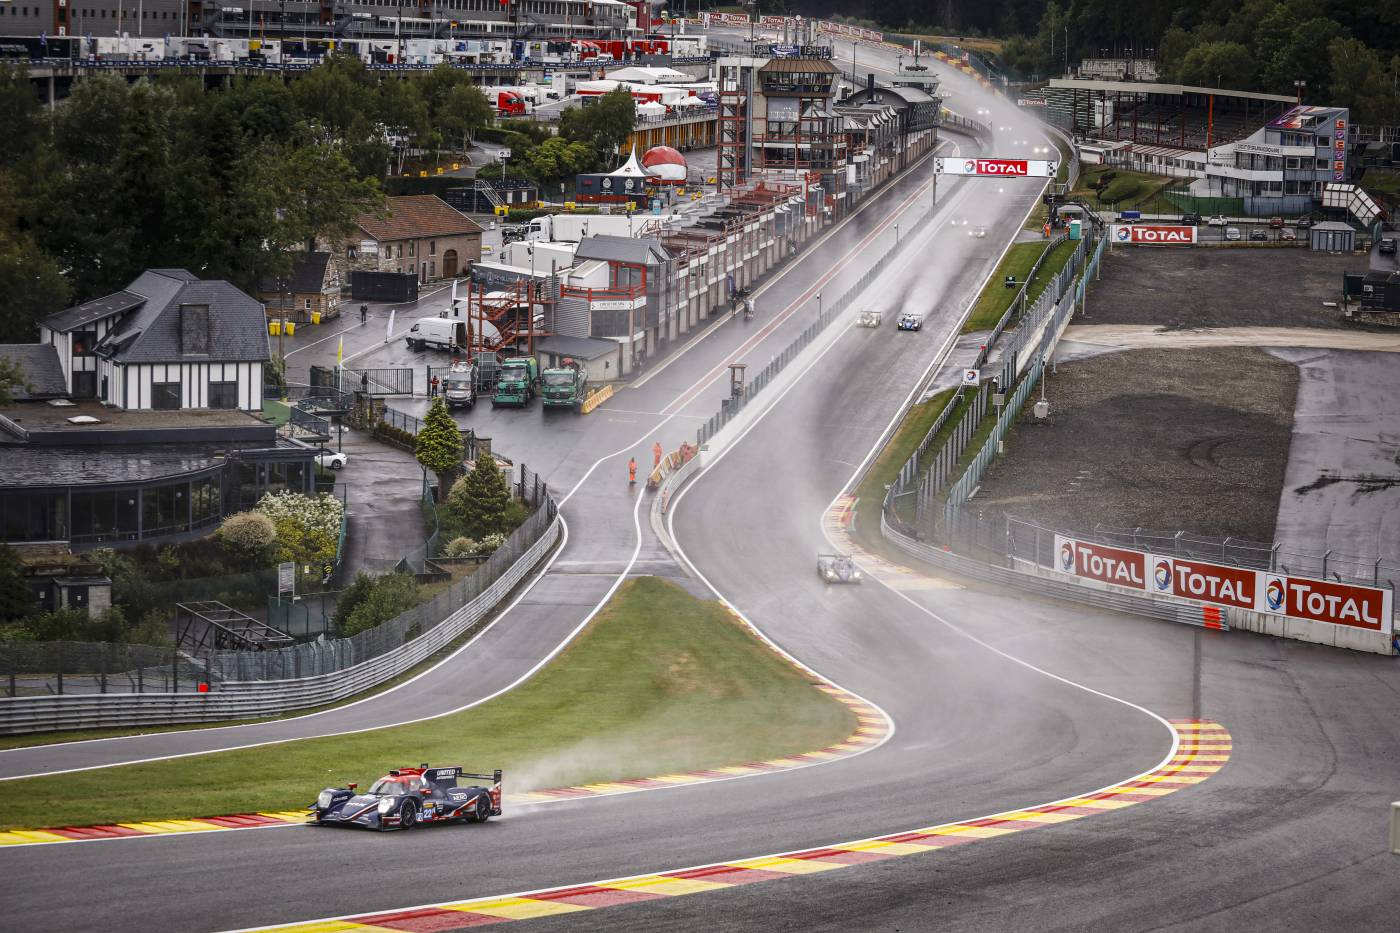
column 1298, row 89
column 896, row 234
column 819, row 305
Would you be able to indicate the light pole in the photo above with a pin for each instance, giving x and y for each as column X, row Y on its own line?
column 1298, row 88
column 819, row 305
column 896, row 234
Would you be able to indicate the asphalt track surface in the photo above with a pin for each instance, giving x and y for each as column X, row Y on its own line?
column 1289, row 835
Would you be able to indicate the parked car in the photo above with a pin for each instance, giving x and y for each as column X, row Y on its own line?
column 1276, row 222
column 1233, row 234
column 1258, row 236
column 331, row 459
column 1305, row 222
column 1217, row 221
column 1288, row 235
column 1387, row 247
column 1191, row 220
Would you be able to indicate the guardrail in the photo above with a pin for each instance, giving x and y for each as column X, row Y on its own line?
column 248, row 684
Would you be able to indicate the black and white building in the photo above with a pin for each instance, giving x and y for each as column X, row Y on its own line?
column 167, row 341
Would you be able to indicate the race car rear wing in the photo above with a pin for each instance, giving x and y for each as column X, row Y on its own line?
column 494, row 777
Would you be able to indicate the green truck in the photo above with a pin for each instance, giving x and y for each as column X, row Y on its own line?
column 516, row 385
column 564, row 386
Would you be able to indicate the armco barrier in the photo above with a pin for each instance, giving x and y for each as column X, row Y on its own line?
column 251, row 699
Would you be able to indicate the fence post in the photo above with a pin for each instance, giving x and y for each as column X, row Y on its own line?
column 59, row 665
column 1325, row 556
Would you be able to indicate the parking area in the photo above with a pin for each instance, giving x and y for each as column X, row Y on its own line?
column 1177, row 288
column 1192, row 440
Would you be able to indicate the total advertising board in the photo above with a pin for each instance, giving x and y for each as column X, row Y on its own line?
column 1364, row 607
column 997, row 168
column 1154, row 234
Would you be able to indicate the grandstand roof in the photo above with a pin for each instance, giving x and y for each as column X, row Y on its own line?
column 1157, row 87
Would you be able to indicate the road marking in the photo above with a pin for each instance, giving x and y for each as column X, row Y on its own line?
column 484, row 911
column 351, row 327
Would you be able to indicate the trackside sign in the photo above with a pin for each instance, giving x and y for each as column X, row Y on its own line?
column 1154, row 235
column 1365, row 607
column 997, row 168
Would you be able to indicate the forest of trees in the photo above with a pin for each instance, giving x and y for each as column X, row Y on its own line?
column 1348, row 52
column 226, row 182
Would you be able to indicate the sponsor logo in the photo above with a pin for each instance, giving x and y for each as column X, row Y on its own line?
column 1110, row 565
column 1213, row 583
column 1124, row 234
column 1016, row 167
column 1275, row 593
column 1162, row 575
column 1163, row 235
column 1067, row 557
column 1337, row 603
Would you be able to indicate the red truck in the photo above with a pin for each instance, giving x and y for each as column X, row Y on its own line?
column 510, row 103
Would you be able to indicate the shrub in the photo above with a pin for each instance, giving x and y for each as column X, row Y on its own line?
column 460, row 547
column 514, row 516
column 153, row 629
column 390, row 595
column 248, row 536
column 489, row 544
column 308, row 527
column 351, row 598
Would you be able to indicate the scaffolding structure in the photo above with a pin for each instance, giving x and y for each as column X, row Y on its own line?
column 733, row 158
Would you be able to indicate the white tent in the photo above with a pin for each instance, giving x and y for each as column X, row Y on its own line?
column 632, row 168
column 651, row 108
column 641, row 75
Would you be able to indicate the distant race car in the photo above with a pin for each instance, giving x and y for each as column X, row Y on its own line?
column 911, row 322
column 408, row 796
column 837, row 568
column 958, row 222
column 330, row 459
column 868, row 319
column 979, row 233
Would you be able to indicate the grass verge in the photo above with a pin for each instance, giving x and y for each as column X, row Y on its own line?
column 1056, row 261
column 870, row 492
column 659, row 682
column 996, row 297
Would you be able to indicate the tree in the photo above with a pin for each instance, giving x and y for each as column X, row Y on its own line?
column 481, row 497
column 1357, row 79
column 463, row 111
column 1218, row 64
column 604, row 124
column 390, row 595
column 16, row 602
column 438, row 446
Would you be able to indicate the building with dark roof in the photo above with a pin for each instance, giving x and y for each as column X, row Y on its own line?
column 169, row 340
column 313, row 288
column 418, row 234
column 90, row 475
column 38, row 364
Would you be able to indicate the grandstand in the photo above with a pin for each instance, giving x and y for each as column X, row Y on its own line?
column 1192, row 119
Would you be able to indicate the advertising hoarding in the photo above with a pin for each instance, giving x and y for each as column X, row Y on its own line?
column 1154, row 234
column 1352, row 605
column 997, row 168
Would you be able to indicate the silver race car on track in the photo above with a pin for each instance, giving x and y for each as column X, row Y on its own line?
column 837, row 568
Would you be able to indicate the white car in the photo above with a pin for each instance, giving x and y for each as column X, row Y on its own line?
column 979, row 233
column 958, row 222
column 1217, row 221
column 331, row 459
column 1233, row 234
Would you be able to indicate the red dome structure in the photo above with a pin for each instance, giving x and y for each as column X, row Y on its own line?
column 665, row 164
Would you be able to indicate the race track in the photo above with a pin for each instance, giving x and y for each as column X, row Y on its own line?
column 999, row 702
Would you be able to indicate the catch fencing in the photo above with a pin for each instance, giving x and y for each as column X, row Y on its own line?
column 66, row 685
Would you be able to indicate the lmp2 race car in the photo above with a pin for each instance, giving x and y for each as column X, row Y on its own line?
column 911, row 322
column 837, row 568
column 408, row 796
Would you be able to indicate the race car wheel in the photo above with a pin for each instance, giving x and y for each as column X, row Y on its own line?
column 408, row 814
column 483, row 809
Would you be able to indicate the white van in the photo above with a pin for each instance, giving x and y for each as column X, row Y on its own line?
column 438, row 332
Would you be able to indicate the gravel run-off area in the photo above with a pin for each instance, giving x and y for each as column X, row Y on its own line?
column 1191, row 440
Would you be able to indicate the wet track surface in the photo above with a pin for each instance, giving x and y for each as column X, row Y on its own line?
column 1289, row 835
